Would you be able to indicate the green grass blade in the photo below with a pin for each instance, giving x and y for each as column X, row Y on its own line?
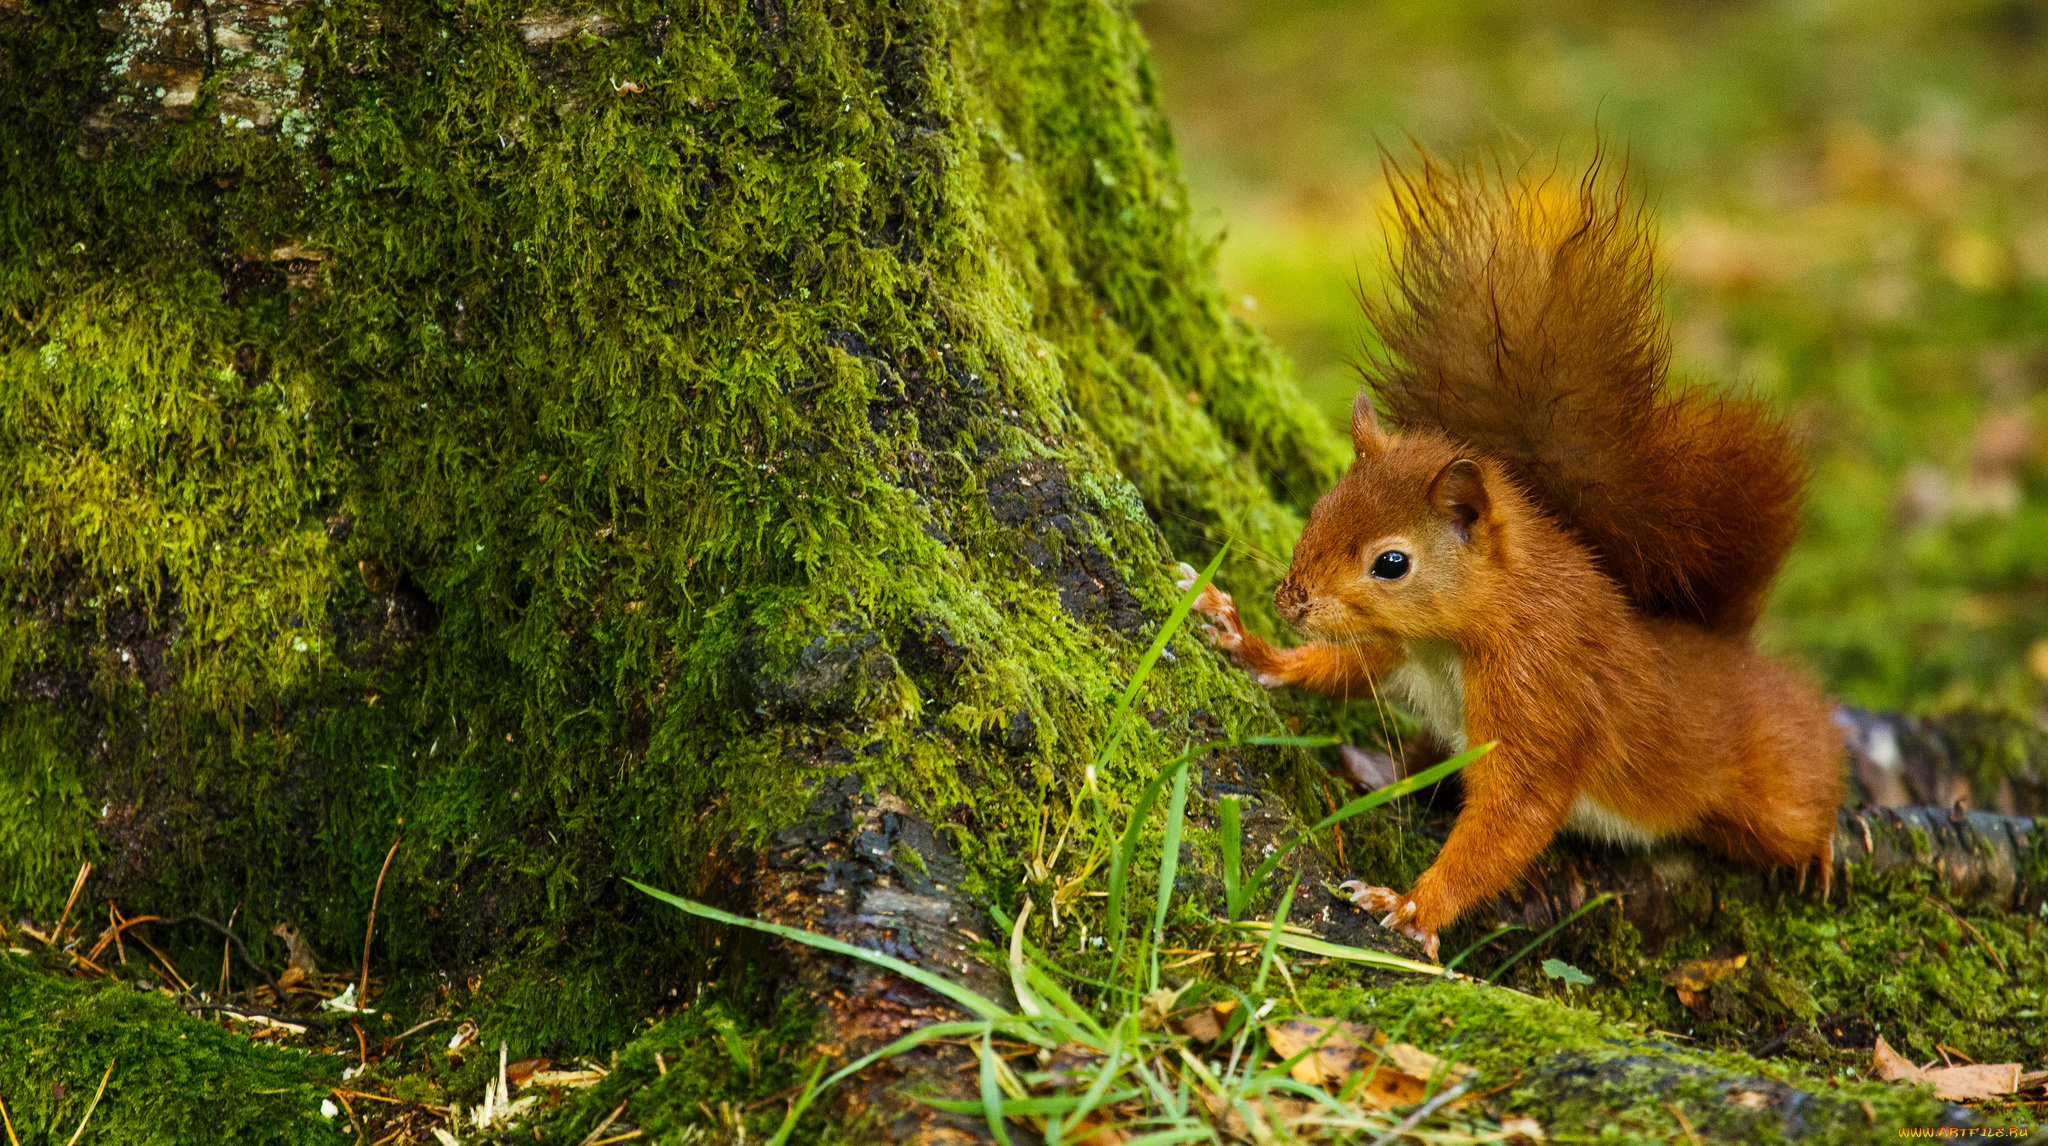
column 803, row 1101
column 1315, row 945
column 1554, row 929
column 922, row 1035
column 1169, row 866
column 1026, row 1001
column 991, row 1093
column 1126, row 852
column 1170, row 1137
column 1098, row 1091
column 1232, row 841
column 1273, row 934
column 1041, row 959
column 1173, row 623
column 1050, row 1104
column 1364, row 803
column 1067, row 1019
column 968, row 1000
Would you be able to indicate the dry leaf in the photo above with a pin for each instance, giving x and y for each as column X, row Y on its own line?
column 1955, row 1083
column 1890, row 1065
column 1387, row 1087
column 1287, row 1112
column 1208, row 1024
column 1340, row 1048
column 1422, row 1064
column 1975, row 1081
column 1097, row 1129
column 1693, row 979
column 1396, row 1074
column 1521, row 1131
column 1071, row 1065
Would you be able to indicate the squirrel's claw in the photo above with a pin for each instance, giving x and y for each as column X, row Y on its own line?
column 1397, row 912
column 1227, row 633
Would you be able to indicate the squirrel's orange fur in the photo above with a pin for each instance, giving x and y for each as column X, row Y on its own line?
column 1584, row 553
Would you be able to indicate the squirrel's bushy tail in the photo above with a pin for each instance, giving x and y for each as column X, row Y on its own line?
column 1523, row 322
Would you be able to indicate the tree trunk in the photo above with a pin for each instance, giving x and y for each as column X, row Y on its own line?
column 573, row 443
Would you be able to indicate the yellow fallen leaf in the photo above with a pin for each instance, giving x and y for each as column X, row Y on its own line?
column 1692, row 979
column 1340, row 1048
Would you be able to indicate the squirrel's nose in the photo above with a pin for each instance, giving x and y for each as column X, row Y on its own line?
column 1291, row 599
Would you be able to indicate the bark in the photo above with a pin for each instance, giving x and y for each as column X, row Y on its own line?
column 573, row 443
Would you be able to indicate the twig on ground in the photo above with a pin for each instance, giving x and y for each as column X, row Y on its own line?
column 1421, row 1112
column 1684, row 1123
column 70, row 901
column 301, row 1022
column 276, row 991
column 225, row 944
column 592, row 1138
column 416, row 1028
column 370, row 928
column 95, row 1105
column 1974, row 934
column 113, row 934
column 352, row 1119
column 9, row 1120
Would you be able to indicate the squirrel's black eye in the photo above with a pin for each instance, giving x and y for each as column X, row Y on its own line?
column 1391, row 565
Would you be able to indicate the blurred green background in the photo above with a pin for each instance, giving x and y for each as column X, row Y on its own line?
column 1854, row 206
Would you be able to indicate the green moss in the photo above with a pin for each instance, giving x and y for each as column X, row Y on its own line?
column 709, row 1068
column 174, row 1078
column 1585, row 1077
column 562, row 478
column 1892, row 961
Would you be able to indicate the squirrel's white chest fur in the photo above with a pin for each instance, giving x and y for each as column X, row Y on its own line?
column 1432, row 682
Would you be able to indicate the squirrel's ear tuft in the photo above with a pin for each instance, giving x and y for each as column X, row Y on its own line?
column 1367, row 440
column 1458, row 493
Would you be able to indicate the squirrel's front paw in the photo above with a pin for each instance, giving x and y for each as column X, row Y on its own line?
column 1398, row 912
column 1226, row 633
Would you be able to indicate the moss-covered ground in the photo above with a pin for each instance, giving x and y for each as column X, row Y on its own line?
column 106, row 1062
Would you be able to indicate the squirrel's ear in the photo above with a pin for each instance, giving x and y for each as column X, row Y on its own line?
column 1366, row 438
column 1459, row 494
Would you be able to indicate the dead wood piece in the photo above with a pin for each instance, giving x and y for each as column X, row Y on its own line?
column 1968, row 759
column 1746, row 1108
column 1981, row 857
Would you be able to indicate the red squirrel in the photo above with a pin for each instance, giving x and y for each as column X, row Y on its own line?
column 1557, row 552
